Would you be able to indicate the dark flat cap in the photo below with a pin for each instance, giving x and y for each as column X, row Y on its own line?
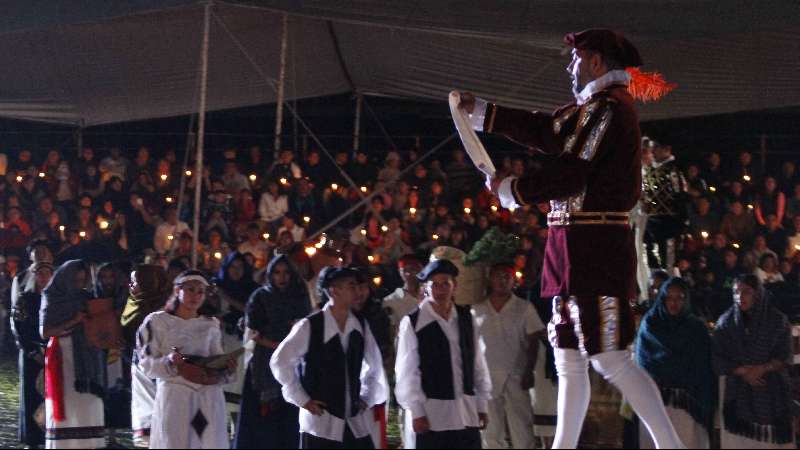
column 440, row 266
column 609, row 43
column 328, row 275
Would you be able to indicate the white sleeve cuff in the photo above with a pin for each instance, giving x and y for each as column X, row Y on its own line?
column 297, row 396
column 483, row 405
column 478, row 116
column 417, row 411
column 506, row 194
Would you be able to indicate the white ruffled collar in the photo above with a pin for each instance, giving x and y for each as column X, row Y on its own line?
column 610, row 78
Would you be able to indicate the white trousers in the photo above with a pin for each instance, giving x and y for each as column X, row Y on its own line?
column 691, row 433
column 511, row 408
column 617, row 368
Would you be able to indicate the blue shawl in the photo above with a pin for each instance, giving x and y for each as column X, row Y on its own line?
column 676, row 352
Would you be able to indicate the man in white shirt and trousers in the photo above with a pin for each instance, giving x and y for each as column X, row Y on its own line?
column 442, row 378
column 331, row 367
column 509, row 329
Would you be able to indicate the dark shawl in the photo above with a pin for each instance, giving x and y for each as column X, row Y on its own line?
column 272, row 313
column 61, row 301
column 153, row 290
column 753, row 338
column 676, row 352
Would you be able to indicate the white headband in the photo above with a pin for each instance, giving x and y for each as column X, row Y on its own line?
column 185, row 279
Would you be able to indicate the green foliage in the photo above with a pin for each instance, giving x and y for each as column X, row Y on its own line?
column 493, row 248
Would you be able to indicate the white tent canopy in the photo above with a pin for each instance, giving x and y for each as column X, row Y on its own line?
column 93, row 62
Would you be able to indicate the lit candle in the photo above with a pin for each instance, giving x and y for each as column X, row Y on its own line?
column 704, row 234
column 170, row 238
column 266, row 236
column 750, row 206
column 284, row 181
column 19, row 179
column 82, row 234
column 253, row 178
column 494, row 208
column 104, row 225
column 307, row 219
column 412, row 211
column 384, row 228
column 188, row 173
column 518, row 274
column 371, row 258
column 712, row 189
column 364, row 189
column 218, row 255
column 797, row 247
column 363, row 232
column 467, row 211
column 746, row 178
column 736, row 246
column 62, row 228
column 311, row 251
column 41, row 175
column 169, row 199
column 164, row 177
column 435, row 237
column 335, row 187
column 377, row 281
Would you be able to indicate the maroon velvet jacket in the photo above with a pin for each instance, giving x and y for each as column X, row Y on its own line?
column 592, row 164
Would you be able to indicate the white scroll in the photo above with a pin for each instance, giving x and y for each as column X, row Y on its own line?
column 472, row 144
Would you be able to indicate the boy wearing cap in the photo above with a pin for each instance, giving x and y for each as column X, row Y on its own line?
column 592, row 179
column 442, row 378
column 331, row 367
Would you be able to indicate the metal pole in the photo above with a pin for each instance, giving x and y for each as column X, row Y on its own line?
column 201, row 128
column 281, row 84
column 79, row 138
column 357, row 126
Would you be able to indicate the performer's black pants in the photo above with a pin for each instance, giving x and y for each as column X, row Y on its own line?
column 308, row 441
column 469, row 438
column 661, row 229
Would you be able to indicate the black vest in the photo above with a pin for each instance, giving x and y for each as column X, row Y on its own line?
column 327, row 369
column 435, row 361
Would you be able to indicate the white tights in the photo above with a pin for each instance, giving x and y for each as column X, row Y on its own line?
column 641, row 392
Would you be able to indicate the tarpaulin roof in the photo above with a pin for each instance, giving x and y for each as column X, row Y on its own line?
column 93, row 62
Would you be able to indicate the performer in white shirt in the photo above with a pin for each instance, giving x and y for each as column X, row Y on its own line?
column 442, row 378
column 508, row 328
column 331, row 367
column 189, row 410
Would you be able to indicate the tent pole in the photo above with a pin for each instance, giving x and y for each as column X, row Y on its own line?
column 357, row 126
column 281, row 84
column 79, row 138
column 201, row 128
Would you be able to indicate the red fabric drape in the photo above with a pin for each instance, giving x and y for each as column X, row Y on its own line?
column 54, row 379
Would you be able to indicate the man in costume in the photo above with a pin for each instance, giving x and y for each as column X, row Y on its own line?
column 591, row 174
column 665, row 197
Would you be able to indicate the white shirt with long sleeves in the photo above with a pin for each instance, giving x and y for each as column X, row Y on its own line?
column 271, row 209
column 374, row 387
column 442, row 415
column 504, row 337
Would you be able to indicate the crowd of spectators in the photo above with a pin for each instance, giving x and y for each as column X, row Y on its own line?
column 740, row 217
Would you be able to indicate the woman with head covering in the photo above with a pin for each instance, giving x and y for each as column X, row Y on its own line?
column 189, row 410
column 25, row 324
column 149, row 291
column 752, row 349
column 674, row 347
column 75, row 372
column 266, row 420
column 234, row 285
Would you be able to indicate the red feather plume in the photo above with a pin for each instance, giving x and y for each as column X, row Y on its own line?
column 648, row 86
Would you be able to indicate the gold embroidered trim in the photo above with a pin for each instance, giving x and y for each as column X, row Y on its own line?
column 596, row 135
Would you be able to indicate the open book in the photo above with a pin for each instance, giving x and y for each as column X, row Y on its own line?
column 218, row 362
column 472, row 144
